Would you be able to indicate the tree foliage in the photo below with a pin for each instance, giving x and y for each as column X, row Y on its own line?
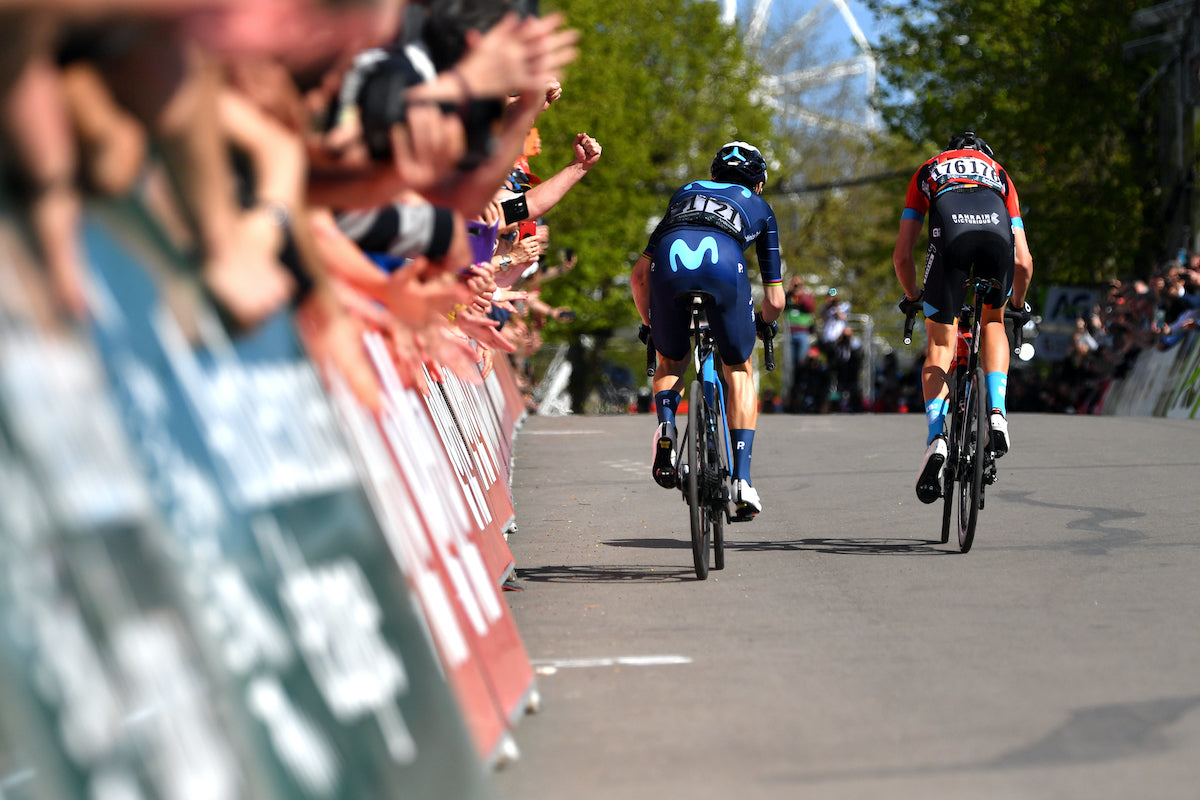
column 661, row 84
column 1046, row 83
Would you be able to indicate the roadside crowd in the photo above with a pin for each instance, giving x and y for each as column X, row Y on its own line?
column 1131, row 316
column 365, row 162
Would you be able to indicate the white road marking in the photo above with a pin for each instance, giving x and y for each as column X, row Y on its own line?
column 626, row 466
column 549, row 666
column 561, row 433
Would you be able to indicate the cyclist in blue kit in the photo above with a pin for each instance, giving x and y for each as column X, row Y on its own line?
column 700, row 245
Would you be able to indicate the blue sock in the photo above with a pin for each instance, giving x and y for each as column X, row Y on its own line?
column 665, row 403
column 997, row 386
column 742, row 441
column 935, row 415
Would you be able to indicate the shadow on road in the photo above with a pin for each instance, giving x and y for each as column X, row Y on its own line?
column 850, row 547
column 605, row 573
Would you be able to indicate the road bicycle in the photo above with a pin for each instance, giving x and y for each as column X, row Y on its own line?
column 970, row 461
column 703, row 452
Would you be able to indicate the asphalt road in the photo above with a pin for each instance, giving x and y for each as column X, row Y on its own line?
column 843, row 652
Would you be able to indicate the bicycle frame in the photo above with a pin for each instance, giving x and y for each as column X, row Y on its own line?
column 704, row 361
column 970, row 461
column 705, row 477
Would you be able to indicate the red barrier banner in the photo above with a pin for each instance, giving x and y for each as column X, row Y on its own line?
column 481, row 435
column 504, row 381
column 453, row 509
column 473, row 480
column 453, row 632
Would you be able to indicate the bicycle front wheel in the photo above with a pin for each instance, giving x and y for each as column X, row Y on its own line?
column 971, row 485
column 698, row 442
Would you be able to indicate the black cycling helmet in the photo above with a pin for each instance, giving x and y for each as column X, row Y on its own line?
column 740, row 163
column 967, row 140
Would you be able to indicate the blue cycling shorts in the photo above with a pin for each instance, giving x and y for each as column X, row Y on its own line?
column 703, row 259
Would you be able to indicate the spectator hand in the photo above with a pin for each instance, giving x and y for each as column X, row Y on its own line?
column 553, row 92
column 587, row 151
column 483, row 330
column 518, row 55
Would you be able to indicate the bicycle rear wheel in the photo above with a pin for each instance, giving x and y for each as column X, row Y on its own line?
column 697, row 446
column 971, row 483
column 953, row 423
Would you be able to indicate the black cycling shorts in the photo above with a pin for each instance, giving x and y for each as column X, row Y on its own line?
column 970, row 234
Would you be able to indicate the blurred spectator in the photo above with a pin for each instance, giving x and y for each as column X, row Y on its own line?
column 799, row 316
column 810, row 389
column 847, row 363
column 833, row 321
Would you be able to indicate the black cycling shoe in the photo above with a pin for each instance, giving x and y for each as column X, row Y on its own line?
column 929, row 482
column 663, row 468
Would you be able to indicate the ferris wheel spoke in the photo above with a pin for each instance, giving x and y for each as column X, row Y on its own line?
column 802, row 52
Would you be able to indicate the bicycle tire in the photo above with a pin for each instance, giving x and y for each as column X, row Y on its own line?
column 971, row 485
column 951, row 453
column 718, row 509
column 697, row 443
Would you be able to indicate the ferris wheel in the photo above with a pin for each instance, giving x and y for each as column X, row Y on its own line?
column 820, row 70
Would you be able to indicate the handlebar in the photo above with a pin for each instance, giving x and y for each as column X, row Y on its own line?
column 910, row 309
column 1019, row 318
column 651, row 355
column 766, row 332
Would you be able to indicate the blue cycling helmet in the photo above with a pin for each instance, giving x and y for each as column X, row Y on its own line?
column 740, row 163
column 967, row 140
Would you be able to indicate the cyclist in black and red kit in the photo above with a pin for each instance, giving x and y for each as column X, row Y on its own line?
column 975, row 228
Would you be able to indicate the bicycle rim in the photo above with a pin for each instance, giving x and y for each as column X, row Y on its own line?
column 952, row 425
column 697, row 442
column 971, row 485
column 717, row 508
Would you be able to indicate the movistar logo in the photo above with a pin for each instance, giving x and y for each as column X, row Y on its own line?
column 683, row 256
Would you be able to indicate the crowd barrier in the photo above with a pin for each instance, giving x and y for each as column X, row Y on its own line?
column 223, row 577
column 1162, row 383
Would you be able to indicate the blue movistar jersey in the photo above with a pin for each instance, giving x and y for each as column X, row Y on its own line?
column 731, row 209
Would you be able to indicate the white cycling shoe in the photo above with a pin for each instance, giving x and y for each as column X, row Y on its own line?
column 746, row 499
column 999, row 428
column 929, row 481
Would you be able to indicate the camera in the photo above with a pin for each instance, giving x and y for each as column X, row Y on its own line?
column 515, row 209
column 382, row 103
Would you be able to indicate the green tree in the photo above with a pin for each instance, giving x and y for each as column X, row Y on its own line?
column 1046, row 83
column 661, row 84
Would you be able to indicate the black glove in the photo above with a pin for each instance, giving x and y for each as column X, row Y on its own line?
column 1025, row 313
column 766, row 330
column 643, row 333
column 911, row 307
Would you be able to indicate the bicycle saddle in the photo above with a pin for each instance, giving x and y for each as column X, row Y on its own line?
column 687, row 299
